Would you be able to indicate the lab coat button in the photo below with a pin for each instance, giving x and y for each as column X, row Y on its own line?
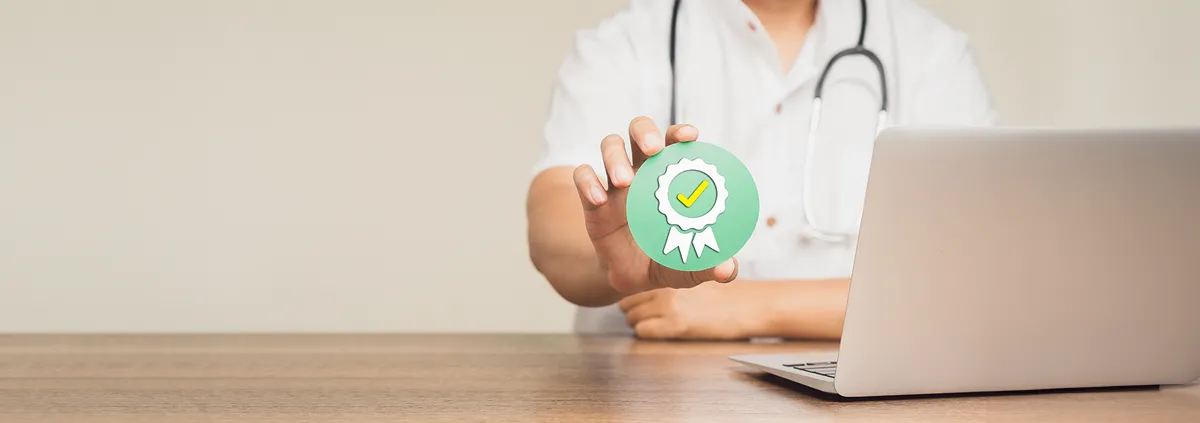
column 805, row 240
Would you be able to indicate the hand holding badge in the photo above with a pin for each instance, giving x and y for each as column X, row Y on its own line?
column 692, row 206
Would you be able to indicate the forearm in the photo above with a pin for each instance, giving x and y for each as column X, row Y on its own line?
column 558, row 241
column 803, row 309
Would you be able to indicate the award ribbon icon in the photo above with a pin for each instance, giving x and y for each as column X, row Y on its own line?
column 682, row 234
column 676, row 198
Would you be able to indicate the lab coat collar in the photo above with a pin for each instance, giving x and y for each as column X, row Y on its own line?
column 836, row 27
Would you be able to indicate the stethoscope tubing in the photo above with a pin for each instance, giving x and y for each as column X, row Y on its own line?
column 815, row 229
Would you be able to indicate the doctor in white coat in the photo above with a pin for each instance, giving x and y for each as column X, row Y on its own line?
column 744, row 78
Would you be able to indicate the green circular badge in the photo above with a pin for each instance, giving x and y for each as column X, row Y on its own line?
column 692, row 206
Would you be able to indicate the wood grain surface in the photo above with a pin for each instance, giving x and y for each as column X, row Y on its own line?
column 466, row 378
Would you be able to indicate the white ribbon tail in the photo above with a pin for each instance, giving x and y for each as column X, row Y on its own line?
column 677, row 240
column 705, row 239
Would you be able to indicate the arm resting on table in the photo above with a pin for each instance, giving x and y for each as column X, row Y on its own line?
column 797, row 309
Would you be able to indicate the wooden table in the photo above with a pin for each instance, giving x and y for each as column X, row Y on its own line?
column 463, row 378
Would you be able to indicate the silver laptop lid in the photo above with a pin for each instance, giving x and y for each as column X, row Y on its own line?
column 1005, row 259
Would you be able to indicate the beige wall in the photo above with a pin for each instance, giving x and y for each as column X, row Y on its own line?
column 1085, row 62
column 360, row 165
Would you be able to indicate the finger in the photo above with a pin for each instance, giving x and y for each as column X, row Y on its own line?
column 642, row 312
column 628, row 303
column 675, row 134
column 616, row 161
column 670, row 278
column 587, row 184
column 656, row 328
column 731, row 276
column 682, row 133
column 646, row 139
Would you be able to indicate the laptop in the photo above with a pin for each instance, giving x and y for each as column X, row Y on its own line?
column 1016, row 259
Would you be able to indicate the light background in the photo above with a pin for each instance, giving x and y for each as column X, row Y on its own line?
column 234, row 165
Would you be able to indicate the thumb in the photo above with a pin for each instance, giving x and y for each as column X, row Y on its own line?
column 670, row 278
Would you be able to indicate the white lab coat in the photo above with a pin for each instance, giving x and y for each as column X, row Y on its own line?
column 732, row 88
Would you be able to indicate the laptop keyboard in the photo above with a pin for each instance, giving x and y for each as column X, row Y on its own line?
column 823, row 368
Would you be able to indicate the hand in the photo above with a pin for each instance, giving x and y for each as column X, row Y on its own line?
column 628, row 269
column 709, row 311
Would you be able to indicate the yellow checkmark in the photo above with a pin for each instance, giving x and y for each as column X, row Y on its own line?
column 688, row 201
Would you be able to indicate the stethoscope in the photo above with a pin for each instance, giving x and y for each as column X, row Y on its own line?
column 815, row 229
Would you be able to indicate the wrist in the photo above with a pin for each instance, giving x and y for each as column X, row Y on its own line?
column 811, row 309
column 758, row 316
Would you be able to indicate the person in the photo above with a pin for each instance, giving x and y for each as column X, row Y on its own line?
column 744, row 74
